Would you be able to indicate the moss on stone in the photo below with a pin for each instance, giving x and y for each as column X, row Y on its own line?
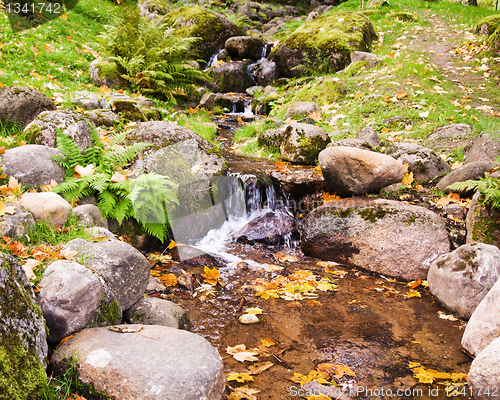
column 373, row 214
column 109, row 314
column 33, row 133
column 107, row 69
column 322, row 91
column 486, row 228
column 354, row 68
column 492, row 22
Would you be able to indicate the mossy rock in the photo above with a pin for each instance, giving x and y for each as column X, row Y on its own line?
column 333, row 37
column 488, row 25
column 213, row 28
column 483, row 223
column 403, row 16
column 493, row 43
column 322, row 91
column 355, row 68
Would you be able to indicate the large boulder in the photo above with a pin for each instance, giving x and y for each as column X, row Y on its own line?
column 212, row 28
column 484, row 373
column 422, row 162
column 73, row 297
column 484, row 324
column 332, row 37
column 232, row 76
column 47, row 206
column 20, row 105
column 383, row 236
column 155, row 363
column 245, row 47
column 302, row 143
column 351, row 171
column 32, row 165
column 23, row 343
column 461, row 279
column 42, row 130
column 124, row 269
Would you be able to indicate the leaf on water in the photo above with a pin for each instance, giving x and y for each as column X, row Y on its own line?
column 246, row 356
column 283, row 258
column 337, row 272
column 268, row 342
column 282, row 167
column 82, row 171
column 326, row 264
column 260, row 367
column 236, row 349
column 243, row 392
column 254, row 310
column 314, row 375
column 211, row 275
column 336, row 370
column 425, row 375
column 448, row 317
column 168, row 279
column 239, row 377
column 314, row 303
column 415, row 284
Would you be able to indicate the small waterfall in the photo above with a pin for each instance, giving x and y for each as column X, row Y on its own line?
column 252, row 68
column 214, row 59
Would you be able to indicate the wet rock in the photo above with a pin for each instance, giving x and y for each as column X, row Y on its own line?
column 471, row 171
column 124, row 269
column 232, row 76
column 461, row 279
column 244, row 47
column 484, row 373
column 368, row 134
column 212, row 28
column 47, row 206
column 383, row 236
column 301, row 109
column 325, row 34
column 90, row 215
column 302, row 143
column 482, row 223
column 158, row 363
column 274, row 227
column 18, row 224
column 299, row 180
column 156, row 311
column 73, row 297
column 422, row 162
column 266, row 72
column 484, row 148
column 32, row 165
column 230, row 102
column 103, row 117
column 20, row 105
column 23, row 342
column 350, row 171
column 484, row 324
column 43, row 128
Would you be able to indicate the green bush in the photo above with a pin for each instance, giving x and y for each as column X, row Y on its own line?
column 148, row 55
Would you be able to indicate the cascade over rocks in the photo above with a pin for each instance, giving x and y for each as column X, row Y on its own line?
column 73, row 297
column 335, row 36
column 23, row 343
column 43, row 128
column 422, row 162
column 383, row 236
column 351, row 171
column 124, row 269
column 484, row 324
column 157, row 363
column 20, row 105
column 32, row 166
column 461, row 279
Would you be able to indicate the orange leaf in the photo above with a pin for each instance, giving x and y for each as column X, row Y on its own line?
column 49, row 48
column 104, row 89
column 117, row 177
column 282, row 167
column 2, row 150
column 211, row 275
column 315, row 115
column 327, row 197
column 82, row 171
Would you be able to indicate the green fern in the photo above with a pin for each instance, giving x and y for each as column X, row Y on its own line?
column 148, row 54
column 488, row 186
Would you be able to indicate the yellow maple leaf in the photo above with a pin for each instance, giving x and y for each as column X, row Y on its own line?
column 254, row 310
column 171, row 245
column 243, row 392
column 268, row 342
column 413, row 293
column 408, row 177
column 327, row 197
column 239, row 377
column 337, row 370
column 168, row 279
column 211, row 275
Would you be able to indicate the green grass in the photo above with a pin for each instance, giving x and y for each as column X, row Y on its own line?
column 245, row 139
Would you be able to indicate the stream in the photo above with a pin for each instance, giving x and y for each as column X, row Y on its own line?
column 369, row 323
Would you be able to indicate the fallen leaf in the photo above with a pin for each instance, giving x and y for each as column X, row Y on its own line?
column 6, row 209
column 337, row 370
column 241, row 354
column 283, row 258
column 239, row 377
column 448, row 317
column 83, row 171
column 48, row 187
column 49, row 48
column 327, row 197
column 122, row 329
column 254, row 310
column 282, row 167
column 168, row 279
column 68, row 254
column 117, row 177
column 268, row 342
column 316, row 115
column 211, row 275
column 451, row 198
column 413, row 293
column 258, row 368
column 243, row 392
column 171, row 245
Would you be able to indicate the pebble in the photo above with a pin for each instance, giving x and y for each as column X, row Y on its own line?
column 249, row 319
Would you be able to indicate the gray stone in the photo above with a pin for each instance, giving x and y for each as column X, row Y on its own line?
column 484, row 373
column 484, row 148
column 90, row 215
column 23, row 342
column 422, row 162
column 455, row 210
column 32, row 165
column 97, row 231
column 365, row 56
column 383, row 236
column 350, row 171
column 77, row 126
column 103, row 117
column 484, row 324
column 155, row 285
column 461, row 279
column 471, row 171
column 157, row 363
column 232, row 76
column 95, row 75
column 302, row 143
column 18, row 224
column 368, row 134
column 124, row 269
column 452, row 131
column 156, row 311
column 47, row 206
column 244, row 47
column 272, row 137
column 357, row 143
column 301, row 109
column 266, row 72
column 73, row 297
column 20, row 105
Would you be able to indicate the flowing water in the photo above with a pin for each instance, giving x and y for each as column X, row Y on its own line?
column 369, row 323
